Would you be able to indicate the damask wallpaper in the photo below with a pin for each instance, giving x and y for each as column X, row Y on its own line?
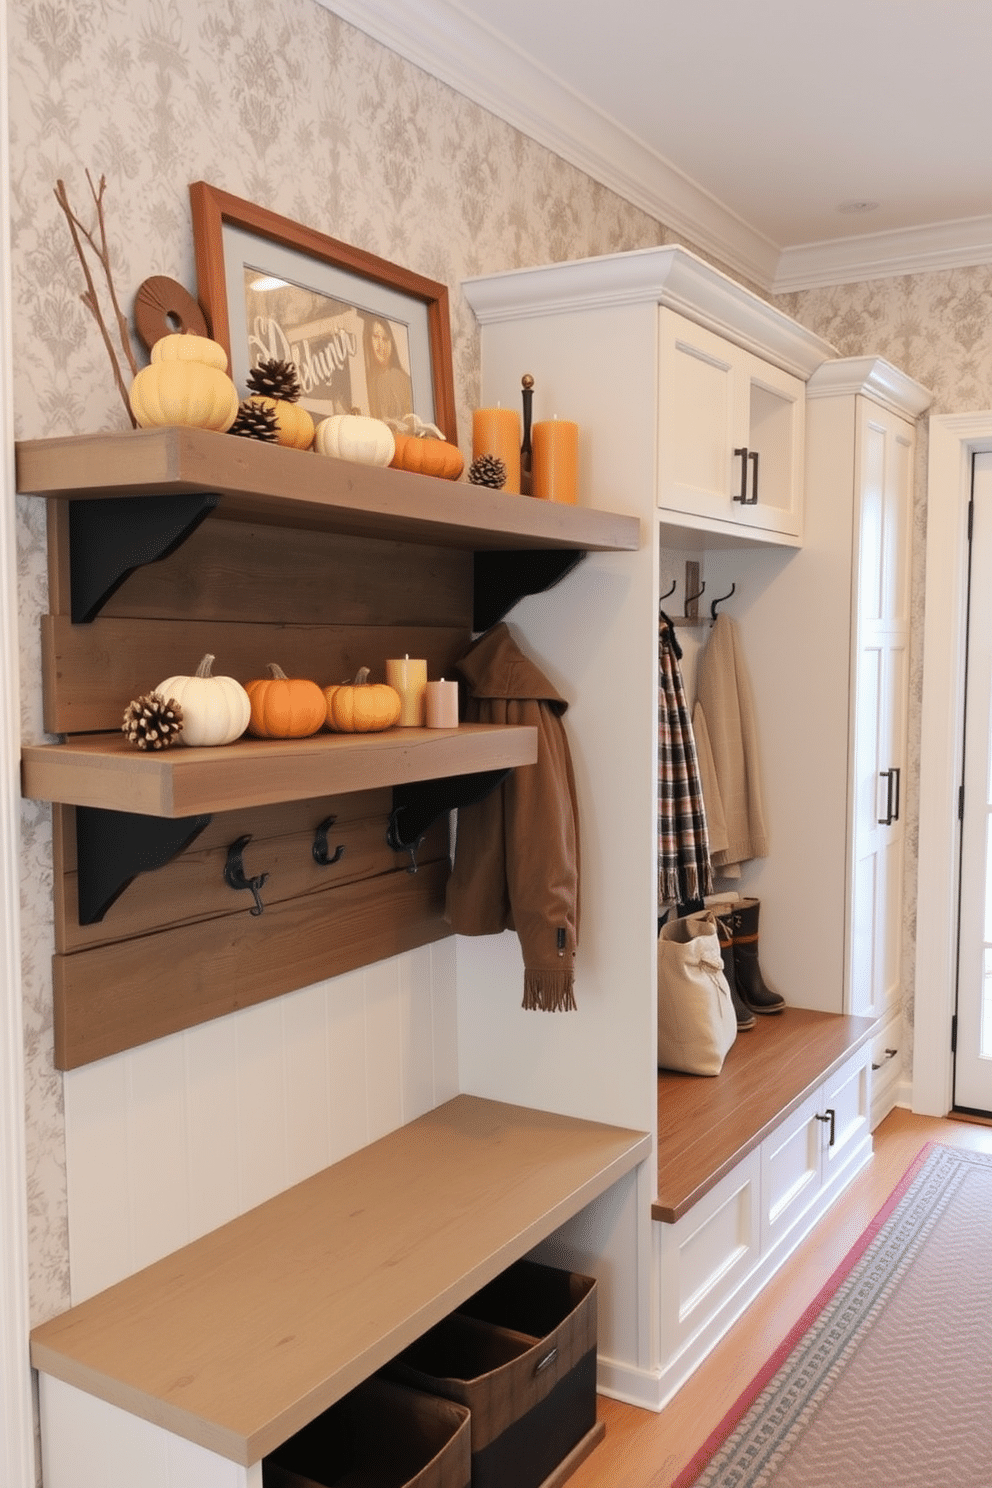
column 281, row 102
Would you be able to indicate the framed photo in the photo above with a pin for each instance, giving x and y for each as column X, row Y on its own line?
column 365, row 335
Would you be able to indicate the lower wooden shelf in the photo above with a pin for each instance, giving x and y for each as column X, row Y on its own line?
column 103, row 770
column 239, row 1339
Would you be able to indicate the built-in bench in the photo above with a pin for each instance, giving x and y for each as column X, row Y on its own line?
column 747, row 1163
column 216, row 1354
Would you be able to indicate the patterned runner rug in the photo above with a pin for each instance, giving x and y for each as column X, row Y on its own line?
column 886, row 1381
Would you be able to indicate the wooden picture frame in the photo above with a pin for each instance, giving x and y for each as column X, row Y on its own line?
column 366, row 336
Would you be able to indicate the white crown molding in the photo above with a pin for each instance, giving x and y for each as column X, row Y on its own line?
column 669, row 276
column 442, row 39
column 875, row 377
column 912, row 250
column 439, row 37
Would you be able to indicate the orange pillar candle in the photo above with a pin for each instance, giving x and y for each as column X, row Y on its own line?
column 442, row 704
column 496, row 431
column 555, row 461
column 408, row 675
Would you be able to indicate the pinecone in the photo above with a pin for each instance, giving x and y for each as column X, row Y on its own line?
column 152, row 721
column 256, row 421
column 487, row 470
column 275, row 379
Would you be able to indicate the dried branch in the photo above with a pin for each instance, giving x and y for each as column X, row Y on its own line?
column 79, row 231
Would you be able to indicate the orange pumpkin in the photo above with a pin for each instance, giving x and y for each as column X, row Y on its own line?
column 428, row 456
column 361, row 707
column 284, row 707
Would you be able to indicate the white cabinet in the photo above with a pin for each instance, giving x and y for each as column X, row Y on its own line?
column 730, row 431
column 862, row 441
column 713, row 1260
column 813, row 1147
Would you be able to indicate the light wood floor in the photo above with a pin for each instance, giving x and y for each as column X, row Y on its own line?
column 644, row 1449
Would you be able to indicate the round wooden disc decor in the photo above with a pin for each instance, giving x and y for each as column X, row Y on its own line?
column 162, row 307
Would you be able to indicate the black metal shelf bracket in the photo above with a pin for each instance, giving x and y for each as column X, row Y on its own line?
column 113, row 847
column 505, row 575
column 109, row 537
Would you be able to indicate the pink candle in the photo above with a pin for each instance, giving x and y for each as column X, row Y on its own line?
column 442, row 704
column 554, row 471
column 496, row 431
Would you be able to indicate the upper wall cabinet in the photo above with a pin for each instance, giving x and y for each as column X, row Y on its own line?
column 688, row 389
column 730, row 431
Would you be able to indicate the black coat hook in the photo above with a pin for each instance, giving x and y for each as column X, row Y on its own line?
column 669, row 592
column 234, row 873
column 691, row 598
column 321, row 849
column 720, row 601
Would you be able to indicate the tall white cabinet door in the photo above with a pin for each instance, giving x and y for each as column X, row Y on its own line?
column 884, row 463
column 730, row 431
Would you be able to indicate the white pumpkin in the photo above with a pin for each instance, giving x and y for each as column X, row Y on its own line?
column 352, row 436
column 216, row 710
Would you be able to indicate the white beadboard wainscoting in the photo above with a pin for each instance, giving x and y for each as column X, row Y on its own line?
column 168, row 1141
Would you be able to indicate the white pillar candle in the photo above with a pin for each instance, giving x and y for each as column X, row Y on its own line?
column 409, row 677
column 442, row 704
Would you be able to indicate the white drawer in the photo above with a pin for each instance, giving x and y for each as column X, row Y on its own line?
column 706, row 1255
column 791, row 1171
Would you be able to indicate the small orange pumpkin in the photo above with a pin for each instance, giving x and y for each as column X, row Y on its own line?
column 428, row 456
column 361, row 707
column 284, row 707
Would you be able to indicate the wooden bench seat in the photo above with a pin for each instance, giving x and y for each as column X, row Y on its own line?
column 707, row 1125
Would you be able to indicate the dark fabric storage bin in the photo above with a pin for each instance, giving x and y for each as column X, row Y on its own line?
column 382, row 1435
column 521, row 1354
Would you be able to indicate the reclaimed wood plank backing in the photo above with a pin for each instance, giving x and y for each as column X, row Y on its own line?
column 115, row 996
column 236, row 571
column 91, row 672
column 191, row 887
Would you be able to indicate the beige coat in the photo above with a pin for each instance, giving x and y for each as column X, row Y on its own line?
column 729, row 764
column 517, row 851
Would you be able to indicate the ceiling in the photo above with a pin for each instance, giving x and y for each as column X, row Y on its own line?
column 801, row 141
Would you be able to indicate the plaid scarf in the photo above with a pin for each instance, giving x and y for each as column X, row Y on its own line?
column 684, row 871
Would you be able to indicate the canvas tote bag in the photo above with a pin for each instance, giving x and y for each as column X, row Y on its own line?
column 696, row 1019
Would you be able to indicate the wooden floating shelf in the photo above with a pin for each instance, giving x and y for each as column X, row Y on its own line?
column 258, row 482
column 239, row 1339
column 103, row 770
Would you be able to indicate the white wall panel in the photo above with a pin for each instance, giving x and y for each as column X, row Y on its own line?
column 88, row 1443
column 168, row 1141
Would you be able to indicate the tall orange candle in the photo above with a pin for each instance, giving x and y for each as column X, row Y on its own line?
column 555, row 461
column 496, row 431
column 408, row 676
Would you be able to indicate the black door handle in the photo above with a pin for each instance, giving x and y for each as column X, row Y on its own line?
column 742, row 493
column 892, row 792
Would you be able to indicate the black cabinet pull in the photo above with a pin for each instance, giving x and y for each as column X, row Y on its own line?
column 891, row 777
column 742, row 493
column 831, row 1116
column 752, row 456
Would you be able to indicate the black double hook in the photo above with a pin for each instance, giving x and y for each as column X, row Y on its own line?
column 234, row 873
column 322, row 854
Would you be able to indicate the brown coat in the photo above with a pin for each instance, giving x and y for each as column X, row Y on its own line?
column 517, row 851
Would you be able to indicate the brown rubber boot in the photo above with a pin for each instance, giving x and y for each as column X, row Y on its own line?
column 750, row 983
